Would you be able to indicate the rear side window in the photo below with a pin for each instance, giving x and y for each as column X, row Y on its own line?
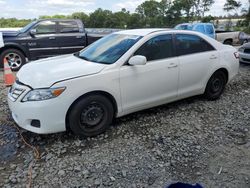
column 190, row 44
column 209, row 29
column 46, row 27
column 68, row 27
column 200, row 28
column 159, row 47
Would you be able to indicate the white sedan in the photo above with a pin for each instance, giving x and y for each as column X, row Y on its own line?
column 124, row 72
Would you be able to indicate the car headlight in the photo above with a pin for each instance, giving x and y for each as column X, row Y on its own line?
column 241, row 49
column 43, row 94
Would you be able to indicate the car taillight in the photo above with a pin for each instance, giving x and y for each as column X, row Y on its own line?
column 236, row 55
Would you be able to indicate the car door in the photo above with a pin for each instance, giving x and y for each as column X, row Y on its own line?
column 71, row 37
column 154, row 83
column 43, row 42
column 197, row 58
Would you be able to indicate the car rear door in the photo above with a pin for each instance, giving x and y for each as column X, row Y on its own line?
column 71, row 37
column 43, row 43
column 154, row 83
column 197, row 59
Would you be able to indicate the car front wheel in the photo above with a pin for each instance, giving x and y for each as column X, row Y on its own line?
column 215, row 85
column 15, row 58
column 91, row 115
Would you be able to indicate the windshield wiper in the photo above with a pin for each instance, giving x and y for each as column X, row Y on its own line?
column 77, row 54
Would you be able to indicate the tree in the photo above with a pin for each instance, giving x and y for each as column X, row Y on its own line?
column 151, row 12
column 232, row 5
column 100, row 19
column 205, row 6
column 81, row 16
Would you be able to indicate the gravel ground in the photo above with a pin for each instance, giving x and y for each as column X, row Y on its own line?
column 193, row 140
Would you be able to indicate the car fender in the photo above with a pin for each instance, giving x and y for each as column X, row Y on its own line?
column 8, row 45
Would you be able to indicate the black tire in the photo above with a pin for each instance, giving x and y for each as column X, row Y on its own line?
column 215, row 86
column 91, row 115
column 228, row 42
column 18, row 58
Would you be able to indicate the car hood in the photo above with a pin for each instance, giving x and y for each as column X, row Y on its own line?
column 10, row 33
column 44, row 73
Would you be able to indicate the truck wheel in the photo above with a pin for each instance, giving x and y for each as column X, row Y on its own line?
column 91, row 115
column 228, row 42
column 215, row 86
column 15, row 58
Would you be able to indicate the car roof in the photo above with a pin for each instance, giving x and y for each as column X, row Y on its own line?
column 142, row 32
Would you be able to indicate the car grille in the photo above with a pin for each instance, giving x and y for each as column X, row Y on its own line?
column 244, row 59
column 15, row 92
column 247, row 51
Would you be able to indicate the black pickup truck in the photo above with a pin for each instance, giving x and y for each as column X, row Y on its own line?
column 44, row 38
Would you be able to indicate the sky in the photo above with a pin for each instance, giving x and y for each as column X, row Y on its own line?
column 35, row 8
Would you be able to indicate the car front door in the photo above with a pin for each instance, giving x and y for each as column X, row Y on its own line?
column 154, row 83
column 43, row 41
column 197, row 59
column 71, row 37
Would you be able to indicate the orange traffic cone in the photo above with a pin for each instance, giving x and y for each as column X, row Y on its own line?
column 9, row 78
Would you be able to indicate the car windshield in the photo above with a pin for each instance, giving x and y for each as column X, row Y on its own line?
column 25, row 28
column 109, row 49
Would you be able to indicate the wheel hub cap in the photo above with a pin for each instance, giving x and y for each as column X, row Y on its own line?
column 91, row 115
column 14, row 60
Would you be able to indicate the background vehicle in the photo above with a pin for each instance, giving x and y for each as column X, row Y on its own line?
column 44, row 38
column 232, row 37
column 205, row 28
column 121, row 73
column 244, row 53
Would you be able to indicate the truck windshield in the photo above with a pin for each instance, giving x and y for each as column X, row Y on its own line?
column 109, row 49
column 184, row 27
column 25, row 28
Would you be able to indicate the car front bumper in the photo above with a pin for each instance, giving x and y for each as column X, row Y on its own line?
column 48, row 113
column 244, row 57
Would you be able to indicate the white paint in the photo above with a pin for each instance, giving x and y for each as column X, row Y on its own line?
column 1, row 40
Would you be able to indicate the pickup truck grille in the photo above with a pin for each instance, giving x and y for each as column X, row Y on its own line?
column 247, row 51
column 15, row 92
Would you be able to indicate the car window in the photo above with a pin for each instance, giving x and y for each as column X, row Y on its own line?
column 68, row 27
column 46, row 27
column 189, row 44
column 209, row 29
column 109, row 49
column 200, row 28
column 159, row 47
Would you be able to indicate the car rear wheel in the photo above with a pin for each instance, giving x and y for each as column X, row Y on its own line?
column 215, row 85
column 15, row 58
column 91, row 115
column 228, row 42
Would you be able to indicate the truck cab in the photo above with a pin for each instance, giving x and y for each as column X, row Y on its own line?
column 205, row 28
column 42, row 38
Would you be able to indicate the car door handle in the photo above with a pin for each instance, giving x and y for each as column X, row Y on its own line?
column 213, row 57
column 172, row 65
column 52, row 38
column 78, row 37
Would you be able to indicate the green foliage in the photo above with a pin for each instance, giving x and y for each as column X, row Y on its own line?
column 232, row 5
column 13, row 22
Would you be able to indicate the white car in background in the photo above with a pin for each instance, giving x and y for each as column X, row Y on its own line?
column 124, row 72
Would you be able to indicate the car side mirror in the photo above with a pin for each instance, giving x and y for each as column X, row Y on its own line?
column 33, row 32
column 137, row 60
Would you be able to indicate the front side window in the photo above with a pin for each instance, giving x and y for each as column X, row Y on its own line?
column 159, row 47
column 200, row 28
column 209, row 29
column 109, row 49
column 68, row 27
column 46, row 27
column 190, row 44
